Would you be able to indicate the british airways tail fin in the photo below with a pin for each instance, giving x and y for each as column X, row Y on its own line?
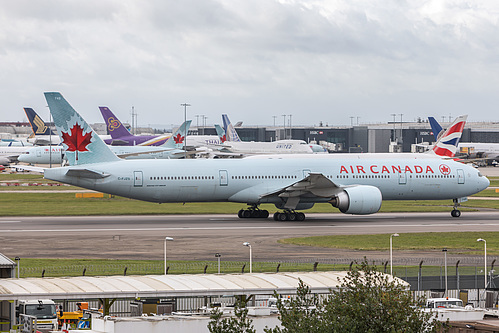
column 37, row 124
column 177, row 140
column 230, row 131
column 82, row 144
column 435, row 127
column 114, row 126
column 221, row 133
column 446, row 145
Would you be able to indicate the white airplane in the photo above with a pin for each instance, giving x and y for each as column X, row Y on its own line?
column 169, row 150
column 354, row 183
column 233, row 144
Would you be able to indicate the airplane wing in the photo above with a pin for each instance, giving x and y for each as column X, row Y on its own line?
column 314, row 185
column 19, row 168
column 119, row 142
column 143, row 152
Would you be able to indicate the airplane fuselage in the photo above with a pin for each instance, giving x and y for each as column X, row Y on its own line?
column 249, row 180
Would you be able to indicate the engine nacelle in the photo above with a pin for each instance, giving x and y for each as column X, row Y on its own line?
column 359, row 200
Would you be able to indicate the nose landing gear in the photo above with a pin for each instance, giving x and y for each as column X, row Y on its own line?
column 455, row 212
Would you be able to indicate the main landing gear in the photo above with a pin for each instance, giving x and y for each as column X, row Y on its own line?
column 455, row 212
column 289, row 215
column 253, row 213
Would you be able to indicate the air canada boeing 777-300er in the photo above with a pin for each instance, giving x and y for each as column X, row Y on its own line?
column 354, row 183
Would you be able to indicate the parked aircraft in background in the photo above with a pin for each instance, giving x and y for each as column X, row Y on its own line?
column 355, row 183
column 472, row 150
column 232, row 143
column 42, row 134
column 170, row 150
column 121, row 136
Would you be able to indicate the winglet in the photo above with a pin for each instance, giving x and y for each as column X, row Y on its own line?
column 81, row 143
column 177, row 139
column 230, row 131
column 446, row 146
column 114, row 126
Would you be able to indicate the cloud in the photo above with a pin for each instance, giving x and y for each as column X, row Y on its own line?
column 318, row 60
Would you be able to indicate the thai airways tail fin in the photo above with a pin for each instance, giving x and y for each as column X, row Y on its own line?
column 230, row 131
column 37, row 124
column 447, row 144
column 114, row 126
column 221, row 133
column 435, row 127
column 82, row 144
column 177, row 140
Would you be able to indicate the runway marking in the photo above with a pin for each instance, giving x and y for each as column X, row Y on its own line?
column 250, row 227
column 10, row 221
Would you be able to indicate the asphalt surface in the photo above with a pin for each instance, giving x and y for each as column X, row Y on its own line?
column 199, row 237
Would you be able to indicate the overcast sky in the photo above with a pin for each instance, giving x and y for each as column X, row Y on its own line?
column 315, row 60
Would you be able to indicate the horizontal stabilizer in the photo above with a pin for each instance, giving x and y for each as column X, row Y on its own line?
column 86, row 173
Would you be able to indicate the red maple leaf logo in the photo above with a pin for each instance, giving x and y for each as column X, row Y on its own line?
column 223, row 138
column 444, row 169
column 75, row 140
column 178, row 138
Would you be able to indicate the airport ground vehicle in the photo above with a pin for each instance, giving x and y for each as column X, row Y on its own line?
column 43, row 309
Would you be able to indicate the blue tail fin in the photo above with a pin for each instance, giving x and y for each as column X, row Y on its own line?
column 177, row 139
column 82, row 144
column 435, row 127
column 114, row 126
column 221, row 133
column 37, row 124
column 230, row 131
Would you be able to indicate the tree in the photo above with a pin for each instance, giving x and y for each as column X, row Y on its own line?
column 239, row 323
column 366, row 301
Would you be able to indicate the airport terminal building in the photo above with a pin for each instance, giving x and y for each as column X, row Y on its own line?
column 367, row 138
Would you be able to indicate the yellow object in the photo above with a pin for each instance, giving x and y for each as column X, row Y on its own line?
column 497, row 190
column 90, row 195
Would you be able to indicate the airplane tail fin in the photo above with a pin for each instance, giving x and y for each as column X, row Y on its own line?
column 446, row 146
column 435, row 127
column 82, row 144
column 230, row 131
column 177, row 139
column 37, row 124
column 114, row 126
column 221, row 133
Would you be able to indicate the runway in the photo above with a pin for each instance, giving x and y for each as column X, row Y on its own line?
column 199, row 237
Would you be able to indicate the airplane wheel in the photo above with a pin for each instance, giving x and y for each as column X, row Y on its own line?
column 455, row 213
column 291, row 217
column 240, row 213
column 300, row 217
column 276, row 216
column 246, row 214
column 282, row 217
column 264, row 214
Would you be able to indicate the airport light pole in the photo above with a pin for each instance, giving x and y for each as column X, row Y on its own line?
column 391, row 253
column 485, row 261
column 18, row 259
column 251, row 262
column 445, row 267
column 166, row 240
column 218, row 255
column 185, row 105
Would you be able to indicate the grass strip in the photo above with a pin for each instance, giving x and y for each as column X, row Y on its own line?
column 456, row 242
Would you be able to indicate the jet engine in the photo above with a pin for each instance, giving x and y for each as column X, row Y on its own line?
column 359, row 200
